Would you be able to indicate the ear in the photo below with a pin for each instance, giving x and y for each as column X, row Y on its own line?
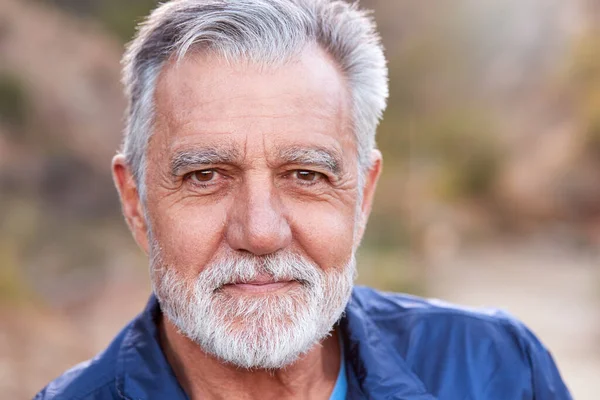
column 368, row 193
column 131, row 203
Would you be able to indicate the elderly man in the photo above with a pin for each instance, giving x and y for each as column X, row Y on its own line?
column 247, row 175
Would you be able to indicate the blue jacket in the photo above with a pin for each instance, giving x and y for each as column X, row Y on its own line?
column 396, row 346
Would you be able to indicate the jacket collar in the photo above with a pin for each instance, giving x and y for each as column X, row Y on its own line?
column 142, row 369
column 374, row 368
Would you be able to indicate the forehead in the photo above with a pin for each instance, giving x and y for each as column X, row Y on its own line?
column 205, row 99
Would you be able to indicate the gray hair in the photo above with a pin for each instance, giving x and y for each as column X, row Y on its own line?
column 268, row 32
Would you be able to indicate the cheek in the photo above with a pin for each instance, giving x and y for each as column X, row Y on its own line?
column 189, row 236
column 324, row 232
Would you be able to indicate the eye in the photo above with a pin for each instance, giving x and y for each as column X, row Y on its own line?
column 203, row 176
column 308, row 177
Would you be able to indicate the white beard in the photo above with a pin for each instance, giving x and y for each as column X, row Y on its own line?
column 267, row 332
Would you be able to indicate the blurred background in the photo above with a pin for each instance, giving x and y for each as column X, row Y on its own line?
column 490, row 194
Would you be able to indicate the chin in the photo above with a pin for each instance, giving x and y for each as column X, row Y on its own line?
column 254, row 328
column 258, row 332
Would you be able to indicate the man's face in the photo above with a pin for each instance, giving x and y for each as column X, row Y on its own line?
column 255, row 197
column 252, row 193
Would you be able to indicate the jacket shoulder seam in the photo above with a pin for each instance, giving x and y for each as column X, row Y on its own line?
column 498, row 319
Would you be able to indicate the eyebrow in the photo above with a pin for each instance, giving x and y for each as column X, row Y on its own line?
column 315, row 156
column 189, row 159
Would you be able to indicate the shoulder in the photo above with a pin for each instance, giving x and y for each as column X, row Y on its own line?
column 487, row 346
column 400, row 310
column 430, row 321
column 94, row 379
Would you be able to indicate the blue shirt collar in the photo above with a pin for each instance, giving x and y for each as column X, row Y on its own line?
column 340, row 390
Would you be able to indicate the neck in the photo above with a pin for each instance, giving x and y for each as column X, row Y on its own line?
column 203, row 376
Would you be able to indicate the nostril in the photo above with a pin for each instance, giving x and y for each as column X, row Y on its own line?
column 257, row 223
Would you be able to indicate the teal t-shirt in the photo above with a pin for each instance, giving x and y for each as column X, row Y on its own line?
column 341, row 384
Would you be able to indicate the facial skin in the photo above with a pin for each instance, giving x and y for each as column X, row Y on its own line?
column 254, row 162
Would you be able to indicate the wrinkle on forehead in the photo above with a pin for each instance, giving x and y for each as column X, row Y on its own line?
column 205, row 101
column 209, row 87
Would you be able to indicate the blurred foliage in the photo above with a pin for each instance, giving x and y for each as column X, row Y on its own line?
column 118, row 16
column 14, row 105
column 384, row 232
column 11, row 283
column 390, row 270
column 464, row 148
column 585, row 73
column 122, row 21
column 437, row 124
column 17, row 228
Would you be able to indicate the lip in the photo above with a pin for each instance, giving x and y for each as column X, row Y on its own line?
column 260, row 286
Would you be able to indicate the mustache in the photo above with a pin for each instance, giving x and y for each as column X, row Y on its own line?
column 281, row 266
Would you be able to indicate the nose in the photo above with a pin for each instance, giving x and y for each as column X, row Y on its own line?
column 257, row 223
